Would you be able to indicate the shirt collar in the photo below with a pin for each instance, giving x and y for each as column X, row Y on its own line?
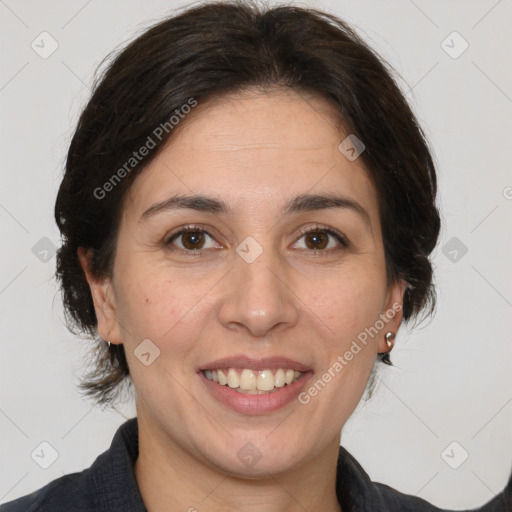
column 112, row 476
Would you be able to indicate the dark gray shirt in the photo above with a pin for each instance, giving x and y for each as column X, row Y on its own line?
column 110, row 485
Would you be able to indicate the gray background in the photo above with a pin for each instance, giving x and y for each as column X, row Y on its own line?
column 452, row 380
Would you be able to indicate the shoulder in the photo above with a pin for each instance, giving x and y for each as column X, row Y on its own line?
column 399, row 502
column 109, row 484
column 64, row 493
column 356, row 491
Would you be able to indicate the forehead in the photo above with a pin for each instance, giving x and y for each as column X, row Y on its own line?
column 255, row 150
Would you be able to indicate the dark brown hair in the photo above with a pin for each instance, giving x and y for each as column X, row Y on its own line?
column 207, row 51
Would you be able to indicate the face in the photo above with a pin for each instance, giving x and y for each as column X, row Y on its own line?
column 250, row 278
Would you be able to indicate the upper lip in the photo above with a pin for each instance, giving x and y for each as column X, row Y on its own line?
column 266, row 363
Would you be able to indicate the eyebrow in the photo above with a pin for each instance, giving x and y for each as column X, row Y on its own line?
column 298, row 204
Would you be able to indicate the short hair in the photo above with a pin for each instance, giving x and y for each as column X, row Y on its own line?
column 207, row 51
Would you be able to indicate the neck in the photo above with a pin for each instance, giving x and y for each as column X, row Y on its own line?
column 169, row 478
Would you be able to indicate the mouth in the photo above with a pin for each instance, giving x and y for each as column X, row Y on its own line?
column 255, row 386
column 250, row 382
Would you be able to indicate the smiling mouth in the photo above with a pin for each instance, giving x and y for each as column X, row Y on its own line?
column 247, row 381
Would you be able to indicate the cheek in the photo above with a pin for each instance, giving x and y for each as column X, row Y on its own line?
column 348, row 303
column 349, row 352
column 144, row 307
column 163, row 306
column 156, row 309
column 147, row 297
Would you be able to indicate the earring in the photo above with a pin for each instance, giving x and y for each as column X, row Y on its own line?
column 390, row 341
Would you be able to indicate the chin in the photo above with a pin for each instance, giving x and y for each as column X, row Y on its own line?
column 253, row 456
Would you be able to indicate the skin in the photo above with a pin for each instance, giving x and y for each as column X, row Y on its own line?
column 255, row 151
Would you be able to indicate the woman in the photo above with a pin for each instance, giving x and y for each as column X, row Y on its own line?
column 247, row 212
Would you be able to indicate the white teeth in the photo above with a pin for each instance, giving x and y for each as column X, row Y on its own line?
column 248, row 380
column 253, row 382
column 279, row 379
column 233, row 380
column 265, row 381
column 222, row 378
column 253, row 391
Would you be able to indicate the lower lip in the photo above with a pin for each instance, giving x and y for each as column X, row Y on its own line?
column 256, row 404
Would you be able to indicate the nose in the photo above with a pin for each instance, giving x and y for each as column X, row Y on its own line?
column 258, row 297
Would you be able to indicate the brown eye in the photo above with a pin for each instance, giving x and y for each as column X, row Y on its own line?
column 193, row 239
column 322, row 240
column 316, row 240
column 190, row 239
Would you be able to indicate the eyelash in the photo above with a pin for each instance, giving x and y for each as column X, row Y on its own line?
column 312, row 229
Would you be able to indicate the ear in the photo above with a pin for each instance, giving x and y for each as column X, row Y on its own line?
column 392, row 313
column 103, row 297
